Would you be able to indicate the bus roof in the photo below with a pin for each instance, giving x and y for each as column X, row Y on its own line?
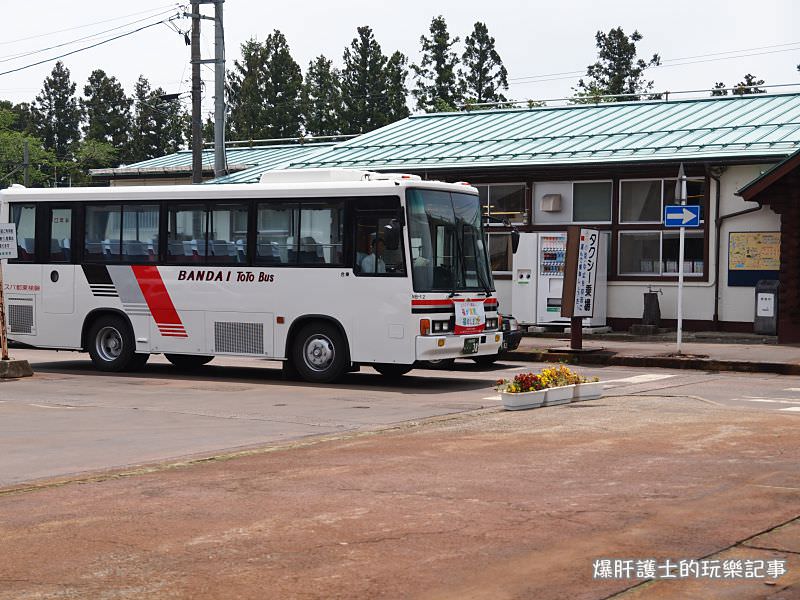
column 362, row 187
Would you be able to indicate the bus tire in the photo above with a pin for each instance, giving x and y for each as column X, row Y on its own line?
column 188, row 361
column 319, row 353
column 391, row 369
column 112, row 346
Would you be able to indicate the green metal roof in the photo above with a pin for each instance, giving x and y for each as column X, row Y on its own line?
column 762, row 125
column 237, row 155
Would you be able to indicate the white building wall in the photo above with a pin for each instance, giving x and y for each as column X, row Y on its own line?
column 625, row 298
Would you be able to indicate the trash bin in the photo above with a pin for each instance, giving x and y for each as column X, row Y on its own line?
column 765, row 321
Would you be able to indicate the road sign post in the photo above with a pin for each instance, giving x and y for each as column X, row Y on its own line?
column 681, row 215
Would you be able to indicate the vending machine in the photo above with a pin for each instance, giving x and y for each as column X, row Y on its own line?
column 523, row 285
column 550, row 281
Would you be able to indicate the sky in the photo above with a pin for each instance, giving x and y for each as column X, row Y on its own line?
column 545, row 46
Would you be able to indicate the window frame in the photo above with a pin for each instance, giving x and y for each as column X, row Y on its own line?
column 79, row 232
column 377, row 214
column 526, row 212
column 37, row 247
column 660, row 275
column 610, row 202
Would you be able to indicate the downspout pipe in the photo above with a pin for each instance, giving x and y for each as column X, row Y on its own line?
column 718, row 228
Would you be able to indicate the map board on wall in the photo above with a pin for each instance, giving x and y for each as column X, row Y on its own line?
column 753, row 255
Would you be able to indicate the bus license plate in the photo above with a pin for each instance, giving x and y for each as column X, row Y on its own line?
column 471, row 345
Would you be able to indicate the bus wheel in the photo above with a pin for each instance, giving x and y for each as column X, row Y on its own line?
column 319, row 353
column 392, row 370
column 112, row 347
column 188, row 361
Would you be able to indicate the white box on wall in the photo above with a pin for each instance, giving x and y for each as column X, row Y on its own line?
column 551, row 203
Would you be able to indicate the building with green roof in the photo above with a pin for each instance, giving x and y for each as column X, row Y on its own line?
column 613, row 166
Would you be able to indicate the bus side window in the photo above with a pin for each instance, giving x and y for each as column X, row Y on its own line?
column 61, row 235
column 103, row 234
column 24, row 217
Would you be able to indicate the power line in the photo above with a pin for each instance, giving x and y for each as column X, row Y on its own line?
column 672, row 61
column 39, row 35
column 12, row 57
column 122, row 35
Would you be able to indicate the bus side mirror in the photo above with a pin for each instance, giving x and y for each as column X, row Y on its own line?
column 514, row 241
column 392, row 234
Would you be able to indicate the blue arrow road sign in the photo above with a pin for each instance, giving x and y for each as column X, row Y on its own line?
column 676, row 215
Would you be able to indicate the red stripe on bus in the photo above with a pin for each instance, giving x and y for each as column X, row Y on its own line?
column 449, row 302
column 156, row 295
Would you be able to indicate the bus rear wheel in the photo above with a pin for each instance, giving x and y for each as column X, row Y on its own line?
column 188, row 361
column 391, row 369
column 319, row 353
column 112, row 347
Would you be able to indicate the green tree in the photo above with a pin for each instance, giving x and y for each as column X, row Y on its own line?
column 12, row 143
column 719, row 89
column 364, row 85
column 57, row 114
column 483, row 75
column 436, row 74
column 617, row 70
column 160, row 126
column 23, row 120
column 396, row 89
column 265, row 90
column 108, row 113
column 322, row 98
column 749, row 86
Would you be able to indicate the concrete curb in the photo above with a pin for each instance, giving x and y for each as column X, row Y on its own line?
column 12, row 369
column 666, row 362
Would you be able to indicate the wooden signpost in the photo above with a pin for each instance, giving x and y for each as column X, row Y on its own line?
column 580, row 277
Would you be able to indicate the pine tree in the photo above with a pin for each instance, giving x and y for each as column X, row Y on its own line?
column 484, row 74
column 108, row 112
column 173, row 124
column 617, row 70
column 264, row 91
column 364, row 93
column 284, row 88
column 396, row 89
column 246, row 86
column 144, row 134
column 56, row 113
column 22, row 121
column 436, row 74
column 322, row 98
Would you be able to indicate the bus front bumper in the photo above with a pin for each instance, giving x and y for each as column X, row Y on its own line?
column 438, row 347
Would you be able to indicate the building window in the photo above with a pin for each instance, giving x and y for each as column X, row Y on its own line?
column 655, row 253
column 643, row 201
column 503, row 202
column 640, row 201
column 103, row 234
column 591, row 201
column 500, row 254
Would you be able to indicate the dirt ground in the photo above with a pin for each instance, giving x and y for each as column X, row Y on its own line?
column 489, row 504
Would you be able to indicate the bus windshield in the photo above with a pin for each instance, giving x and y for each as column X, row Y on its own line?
column 448, row 252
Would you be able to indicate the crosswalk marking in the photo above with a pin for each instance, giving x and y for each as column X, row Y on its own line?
column 492, row 398
column 792, row 390
column 775, row 400
column 646, row 378
column 791, row 409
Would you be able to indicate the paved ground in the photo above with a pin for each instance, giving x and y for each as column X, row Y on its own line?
column 366, row 491
column 70, row 418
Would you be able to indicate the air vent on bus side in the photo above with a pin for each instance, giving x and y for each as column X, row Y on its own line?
column 238, row 338
column 20, row 318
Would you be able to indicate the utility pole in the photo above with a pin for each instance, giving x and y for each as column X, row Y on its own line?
column 197, row 139
column 219, row 91
column 220, row 166
column 26, row 164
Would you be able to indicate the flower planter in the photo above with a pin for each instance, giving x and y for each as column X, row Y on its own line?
column 588, row 391
column 523, row 400
column 559, row 395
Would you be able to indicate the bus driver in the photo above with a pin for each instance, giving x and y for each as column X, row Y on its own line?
column 375, row 257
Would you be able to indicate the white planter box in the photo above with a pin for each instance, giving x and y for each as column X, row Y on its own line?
column 588, row 391
column 523, row 400
column 559, row 395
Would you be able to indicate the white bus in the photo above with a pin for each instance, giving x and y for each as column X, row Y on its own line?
column 325, row 270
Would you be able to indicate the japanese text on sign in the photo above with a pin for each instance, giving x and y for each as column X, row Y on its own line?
column 470, row 316
column 8, row 240
column 588, row 254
